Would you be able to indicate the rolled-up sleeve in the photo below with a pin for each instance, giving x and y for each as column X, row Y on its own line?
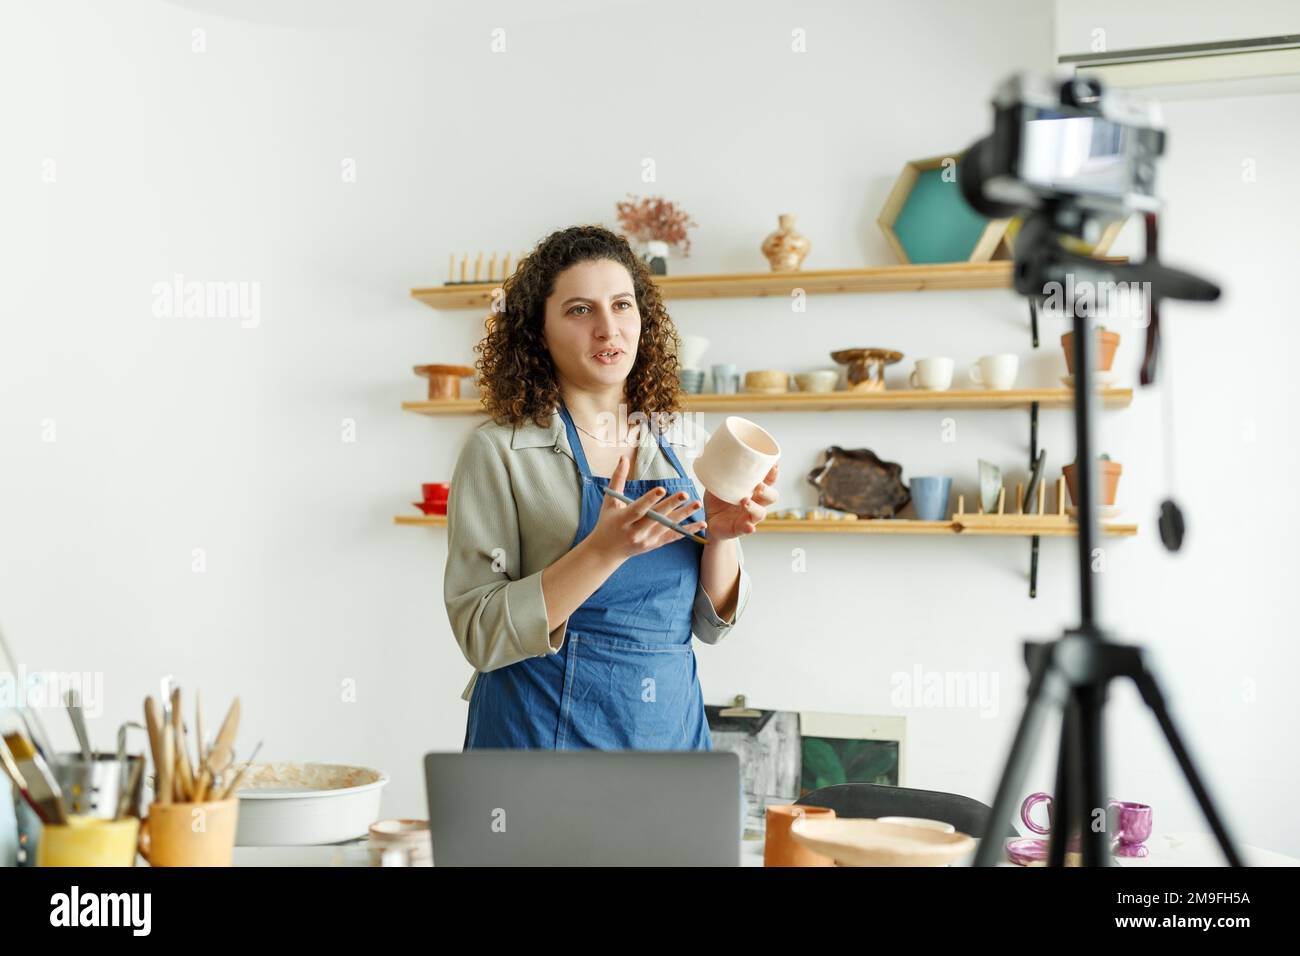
column 705, row 623
column 498, row 617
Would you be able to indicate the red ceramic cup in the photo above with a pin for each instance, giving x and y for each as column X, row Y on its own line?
column 436, row 491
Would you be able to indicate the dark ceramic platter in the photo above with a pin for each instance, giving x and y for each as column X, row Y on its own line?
column 857, row 481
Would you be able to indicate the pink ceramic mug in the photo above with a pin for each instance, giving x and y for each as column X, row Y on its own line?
column 1129, row 823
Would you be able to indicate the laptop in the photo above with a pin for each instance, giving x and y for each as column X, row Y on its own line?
column 584, row 808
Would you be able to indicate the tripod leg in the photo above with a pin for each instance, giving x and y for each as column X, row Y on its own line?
column 1046, row 689
column 1150, row 690
column 1063, row 796
column 1092, row 776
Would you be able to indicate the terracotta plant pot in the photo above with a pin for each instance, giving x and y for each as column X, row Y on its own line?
column 1107, row 343
column 1107, row 471
column 780, row 848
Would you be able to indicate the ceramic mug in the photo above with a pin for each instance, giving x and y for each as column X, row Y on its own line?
column 780, row 848
column 190, row 834
column 88, row 841
column 995, row 371
column 726, row 380
column 932, row 374
column 736, row 458
column 436, row 490
column 1129, row 822
column 930, row 496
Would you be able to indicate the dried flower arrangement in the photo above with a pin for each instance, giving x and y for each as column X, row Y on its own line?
column 655, row 218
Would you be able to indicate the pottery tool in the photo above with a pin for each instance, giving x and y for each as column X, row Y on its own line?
column 128, row 792
column 31, row 720
column 199, row 751
column 238, row 778
column 666, row 522
column 167, row 772
column 73, row 701
column 185, row 778
column 20, row 785
column 221, row 755
column 35, row 772
column 153, row 720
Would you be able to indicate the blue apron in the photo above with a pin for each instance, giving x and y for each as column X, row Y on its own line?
column 625, row 678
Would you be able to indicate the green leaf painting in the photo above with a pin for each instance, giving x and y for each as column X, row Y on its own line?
column 828, row 761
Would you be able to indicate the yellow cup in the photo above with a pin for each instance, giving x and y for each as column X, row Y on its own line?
column 190, row 834
column 88, row 841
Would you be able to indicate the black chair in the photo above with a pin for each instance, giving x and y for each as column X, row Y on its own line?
column 877, row 800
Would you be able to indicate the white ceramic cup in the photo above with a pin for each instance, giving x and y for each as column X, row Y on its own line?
column 995, row 371
column 736, row 458
column 933, row 374
column 693, row 349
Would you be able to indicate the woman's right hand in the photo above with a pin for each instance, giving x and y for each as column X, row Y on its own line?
column 623, row 531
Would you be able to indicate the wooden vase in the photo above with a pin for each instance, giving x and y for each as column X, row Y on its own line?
column 786, row 248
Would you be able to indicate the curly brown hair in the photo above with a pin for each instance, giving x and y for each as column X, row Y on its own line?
column 516, row 375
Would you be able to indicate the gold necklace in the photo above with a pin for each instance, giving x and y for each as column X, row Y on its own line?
column 585, row 432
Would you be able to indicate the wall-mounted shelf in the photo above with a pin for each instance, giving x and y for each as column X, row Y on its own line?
column 741, row 285
column 737, row 285
column 877, row 526
column 840, row 401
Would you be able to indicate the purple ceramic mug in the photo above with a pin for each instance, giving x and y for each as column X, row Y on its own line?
column 1130, row 823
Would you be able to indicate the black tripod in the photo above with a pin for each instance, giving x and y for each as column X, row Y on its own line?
column 1074, row 671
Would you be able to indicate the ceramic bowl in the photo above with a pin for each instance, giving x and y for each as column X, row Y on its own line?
column 767, row 381
column 862, row 842
column 307, row 804
column 822, row 380
column 692, row 380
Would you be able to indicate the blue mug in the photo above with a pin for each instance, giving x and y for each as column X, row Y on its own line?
column 930, row 497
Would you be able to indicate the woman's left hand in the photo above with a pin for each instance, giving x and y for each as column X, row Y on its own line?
column 726, row 521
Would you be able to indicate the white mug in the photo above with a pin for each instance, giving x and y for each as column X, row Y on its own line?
column 736, row 458
column 995, row 371
column 934, row 374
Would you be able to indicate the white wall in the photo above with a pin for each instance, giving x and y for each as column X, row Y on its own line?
column 174, row 434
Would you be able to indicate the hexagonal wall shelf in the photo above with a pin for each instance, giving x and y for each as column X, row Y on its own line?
column 926, row 219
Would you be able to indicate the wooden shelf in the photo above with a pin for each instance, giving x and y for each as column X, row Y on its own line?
column 840, row 401
column 898, row 278
column 891, row 526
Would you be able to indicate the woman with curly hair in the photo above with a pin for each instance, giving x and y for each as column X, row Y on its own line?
column 575, row 609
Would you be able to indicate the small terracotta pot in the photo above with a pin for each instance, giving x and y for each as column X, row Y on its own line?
column 780, row 848
column 1107, row 471
column 1107, row 343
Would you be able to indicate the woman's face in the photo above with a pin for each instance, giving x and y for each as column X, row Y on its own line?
column 593, row 311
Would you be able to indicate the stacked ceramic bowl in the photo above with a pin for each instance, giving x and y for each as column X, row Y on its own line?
column 692, row 379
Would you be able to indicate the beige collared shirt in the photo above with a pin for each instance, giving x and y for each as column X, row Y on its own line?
column 514, row 509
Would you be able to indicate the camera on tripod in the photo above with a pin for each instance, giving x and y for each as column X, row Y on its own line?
column 1066, row 155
